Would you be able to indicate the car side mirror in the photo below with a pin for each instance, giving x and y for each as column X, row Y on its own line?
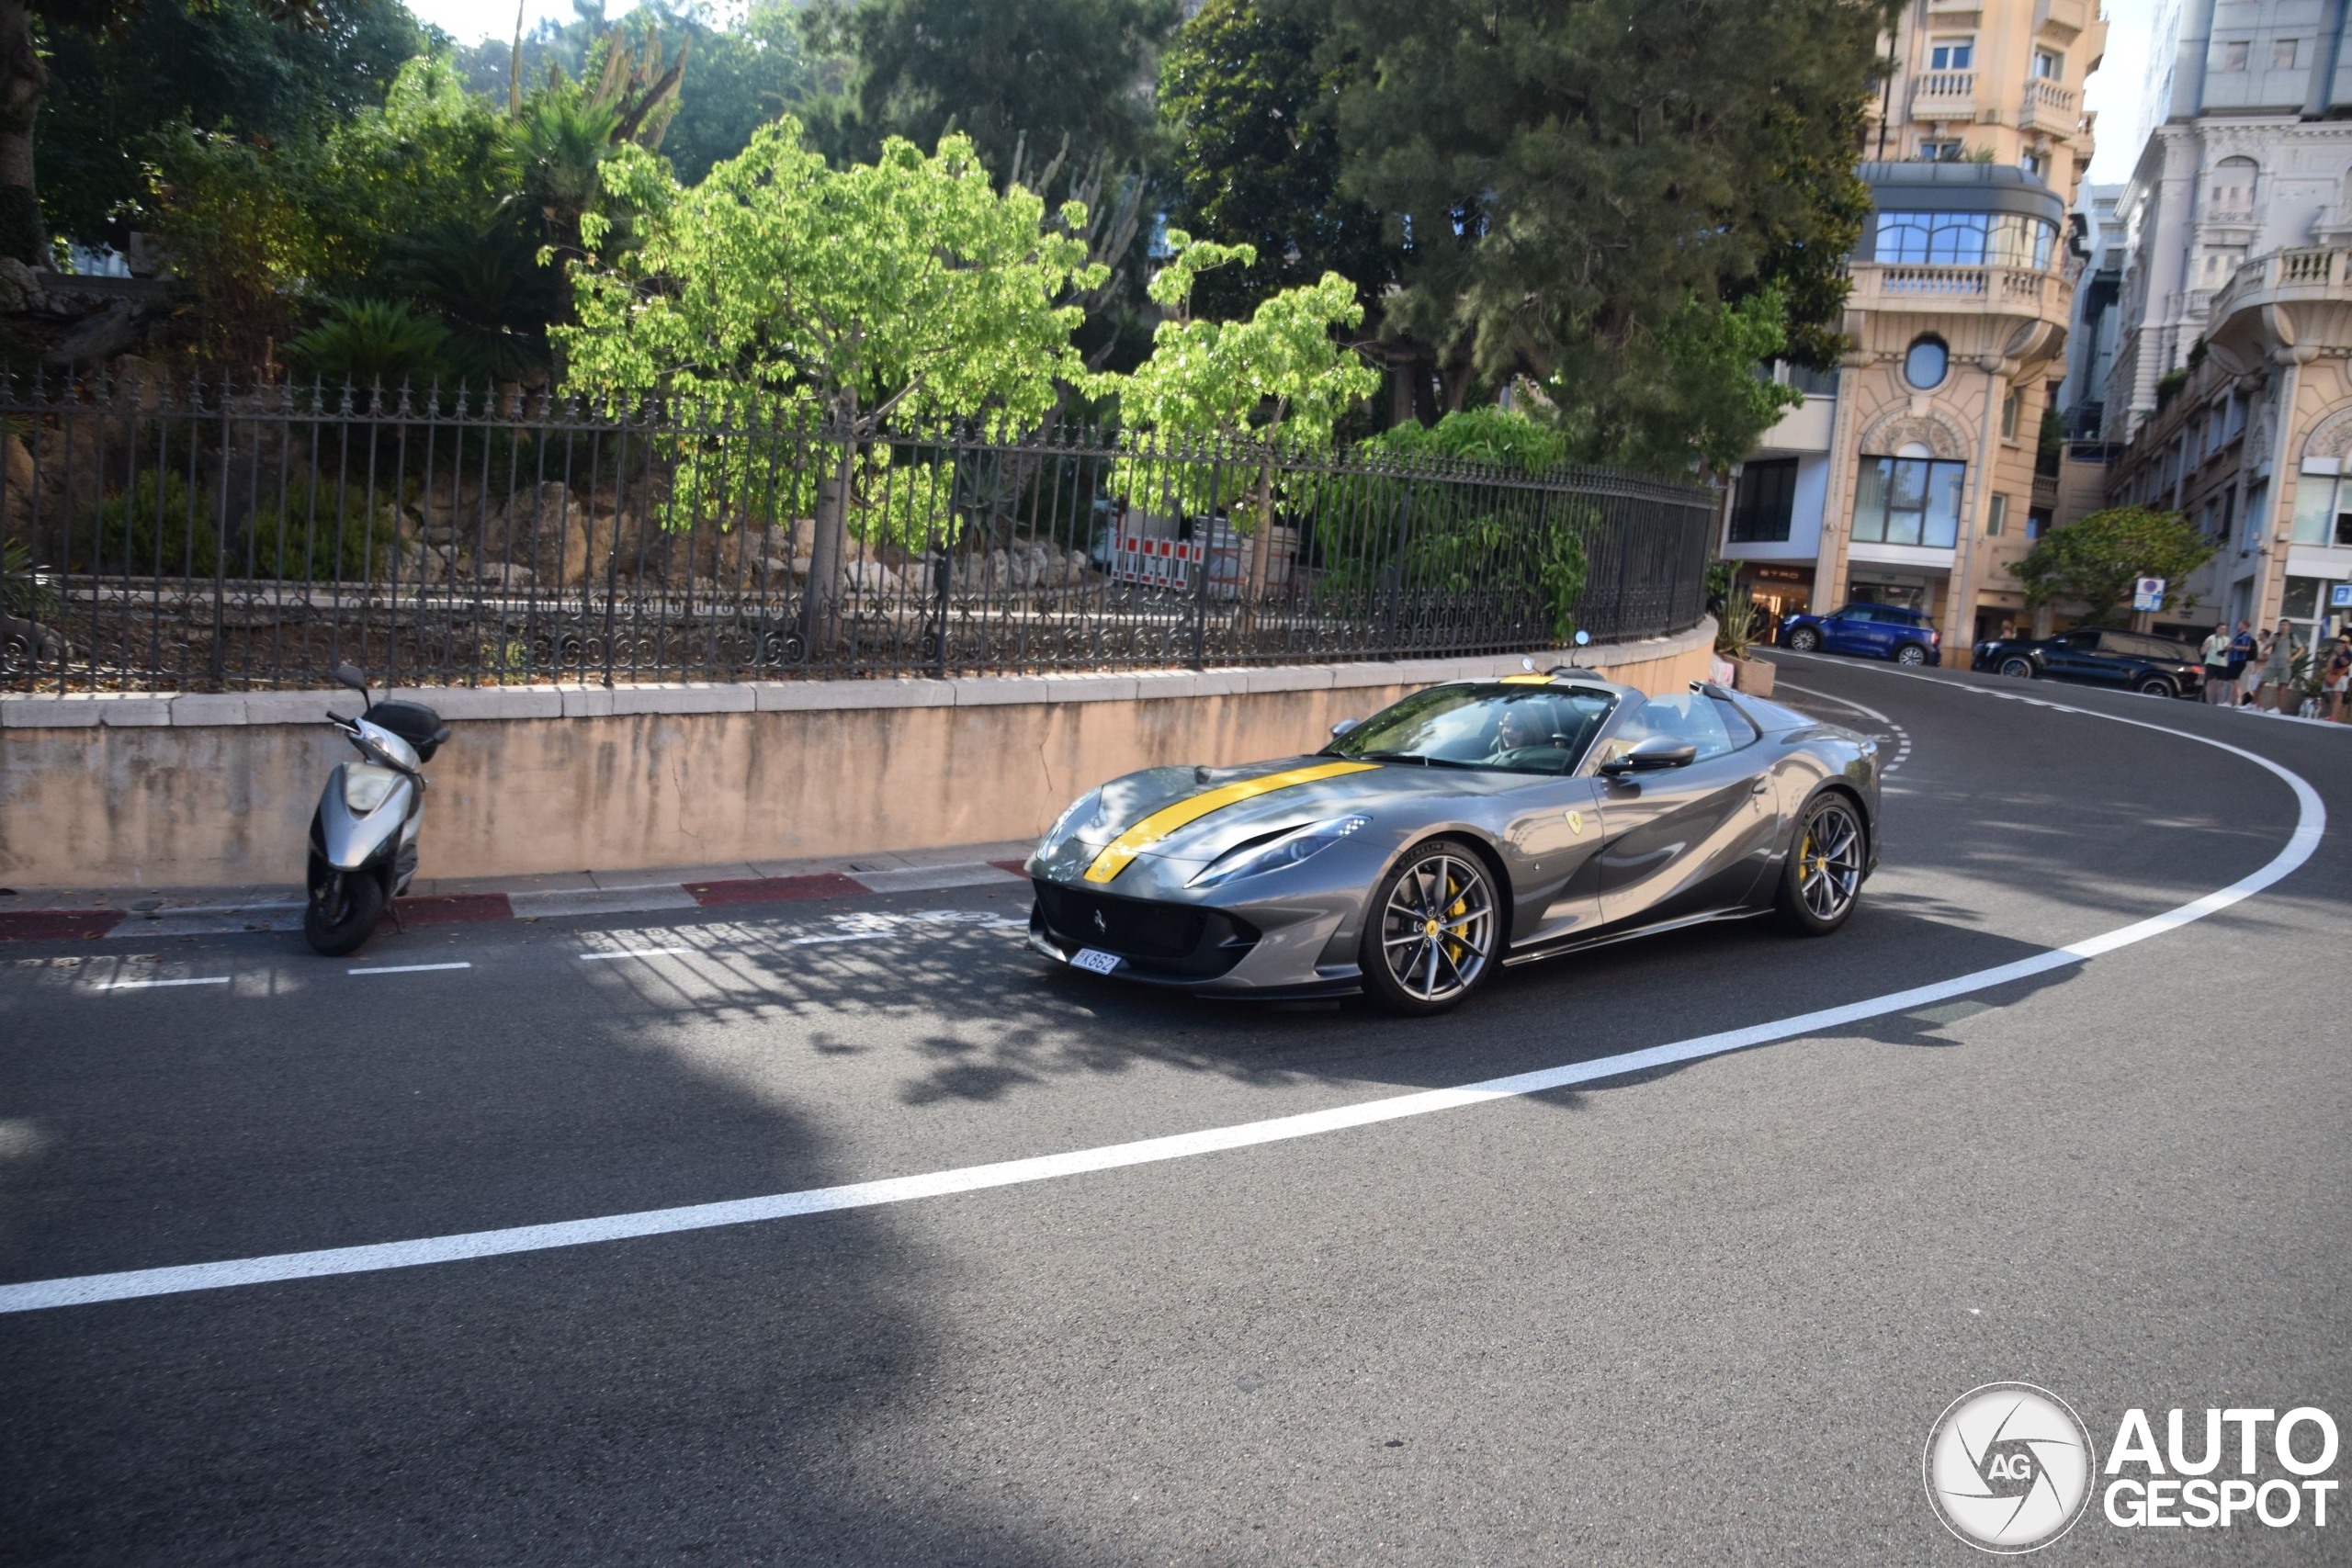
column 349, row 675
column 1343, row 726
column 1654, row 755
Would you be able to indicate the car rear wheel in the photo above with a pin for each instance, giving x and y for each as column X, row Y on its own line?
column 1823, row 874
column 1910, row 653
column 2018, row 669
column 2154, row 686
column 1434, row 930
column 1805, row 639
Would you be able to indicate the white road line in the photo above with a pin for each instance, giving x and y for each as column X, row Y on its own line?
column 153, row 985
column 2311, row 824
column 635, row 952
column 406, row 968
column 849, row 936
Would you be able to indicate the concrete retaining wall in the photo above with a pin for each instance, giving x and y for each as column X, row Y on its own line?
column 200, row 790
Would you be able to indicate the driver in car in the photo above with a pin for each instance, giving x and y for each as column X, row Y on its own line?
column 1522, row 734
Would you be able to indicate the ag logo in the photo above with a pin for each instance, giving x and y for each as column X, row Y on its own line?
column 2009, row 1467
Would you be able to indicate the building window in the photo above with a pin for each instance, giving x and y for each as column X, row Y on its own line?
column 1965, row 239
column 1937, row 150
column 2037, row 165
column 1996, row 514
column 1766, row 501
column 2036, row 524
column 2234, row 55
column 1908, row 501
column 2049, row 65
column 2233, row 189
column 1952, row 54
column 2009, row 419
column 2283, row 53
column 1926, row 363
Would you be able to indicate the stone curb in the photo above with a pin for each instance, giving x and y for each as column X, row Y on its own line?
column 203, row 919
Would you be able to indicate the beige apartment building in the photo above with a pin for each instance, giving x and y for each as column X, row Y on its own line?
column 1909, row 478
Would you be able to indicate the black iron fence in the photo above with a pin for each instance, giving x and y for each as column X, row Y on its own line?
column 168, row 537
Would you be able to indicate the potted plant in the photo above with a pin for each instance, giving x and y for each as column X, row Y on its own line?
column 1736, row 627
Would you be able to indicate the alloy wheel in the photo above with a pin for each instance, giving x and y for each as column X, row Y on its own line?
column 1830, row 862
column 1437, row 932
column 2017, row 668
column 1804, row 640
column 1913, row 654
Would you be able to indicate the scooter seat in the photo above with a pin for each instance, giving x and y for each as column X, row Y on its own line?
column 413, row 722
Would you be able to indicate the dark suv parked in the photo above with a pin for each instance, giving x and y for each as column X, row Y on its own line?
column 1874, row 631
column 2100, row 656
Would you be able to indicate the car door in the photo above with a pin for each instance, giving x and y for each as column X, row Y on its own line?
column 1684, row 840
column 1556, row 832
column 2074, row 655
column 1848, row 631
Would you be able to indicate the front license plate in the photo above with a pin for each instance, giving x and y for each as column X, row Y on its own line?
column 1096, row 960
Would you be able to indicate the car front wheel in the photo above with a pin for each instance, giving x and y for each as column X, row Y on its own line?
column 2154, row 686
column 1434, row 931
column 2018, row 669
column 1805, row 639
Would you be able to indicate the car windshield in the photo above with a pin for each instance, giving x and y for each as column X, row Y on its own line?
column 1511, row 727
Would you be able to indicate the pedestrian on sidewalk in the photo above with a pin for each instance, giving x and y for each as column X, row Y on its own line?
column 2243, row 649
column 2215, row 655
column 2338, row 676
column 2270, row 678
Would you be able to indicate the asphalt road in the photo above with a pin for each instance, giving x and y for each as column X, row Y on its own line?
column 1701, row 1313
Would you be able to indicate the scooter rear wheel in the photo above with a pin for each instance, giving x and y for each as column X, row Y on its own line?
column 341, row 915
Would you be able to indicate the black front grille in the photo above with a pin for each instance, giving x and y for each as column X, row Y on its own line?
column 1170, row 939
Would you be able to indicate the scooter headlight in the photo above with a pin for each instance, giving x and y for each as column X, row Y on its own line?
column 366, row 787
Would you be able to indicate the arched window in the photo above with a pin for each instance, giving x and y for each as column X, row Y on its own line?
column 2232, row 188
column 1926, row 363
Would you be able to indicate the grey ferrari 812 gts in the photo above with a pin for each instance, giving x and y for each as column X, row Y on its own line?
column 1474, row 824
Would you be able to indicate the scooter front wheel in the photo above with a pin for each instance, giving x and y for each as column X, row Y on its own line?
column 341, row 914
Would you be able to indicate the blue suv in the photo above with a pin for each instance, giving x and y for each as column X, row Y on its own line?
column 1873, row 631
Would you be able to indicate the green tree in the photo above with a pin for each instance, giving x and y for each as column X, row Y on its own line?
column 1583, row 189
column 1059, row 73
column 209, row 66
column 2097, row 561
column 1257, row 157
column 780, row 289
column 1276, row 376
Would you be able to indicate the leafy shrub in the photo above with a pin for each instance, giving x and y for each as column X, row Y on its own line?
column 154, row 527
column 312, row 538
column 373, row 343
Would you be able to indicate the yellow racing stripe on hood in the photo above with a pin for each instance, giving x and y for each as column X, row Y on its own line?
column 1168, row 819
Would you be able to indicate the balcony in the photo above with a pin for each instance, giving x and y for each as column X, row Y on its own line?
column 1905, row 285
column 1944, row 95
column 2321, row 274
column 2050, row 108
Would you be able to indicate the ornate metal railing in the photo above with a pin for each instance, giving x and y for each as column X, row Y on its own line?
column 212, row 538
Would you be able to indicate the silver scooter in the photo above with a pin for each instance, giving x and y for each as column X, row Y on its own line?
column 363, row 837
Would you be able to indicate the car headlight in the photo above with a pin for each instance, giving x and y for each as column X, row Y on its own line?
column 366, row 787
column 1076, row 818
column 1288, row 850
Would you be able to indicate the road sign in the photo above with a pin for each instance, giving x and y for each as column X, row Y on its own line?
column 2339, row 596
column 2148, row 593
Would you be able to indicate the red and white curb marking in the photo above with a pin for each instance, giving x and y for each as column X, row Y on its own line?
column 461, row 909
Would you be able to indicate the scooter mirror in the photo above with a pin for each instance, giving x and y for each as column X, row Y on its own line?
column 349, row 675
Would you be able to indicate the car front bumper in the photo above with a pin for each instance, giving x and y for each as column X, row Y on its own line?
column 1299, row 943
